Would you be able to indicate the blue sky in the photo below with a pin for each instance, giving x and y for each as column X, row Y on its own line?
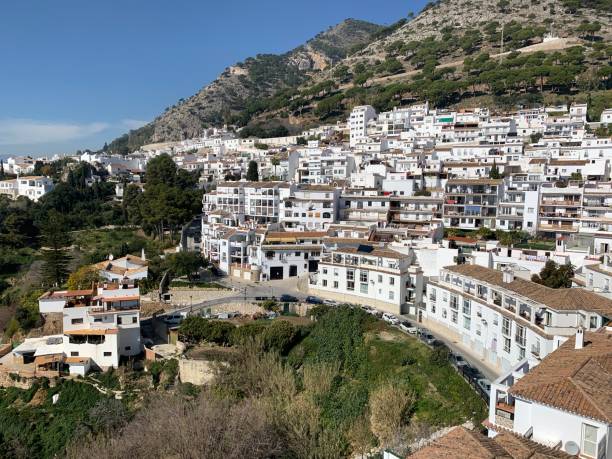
column 77, row 73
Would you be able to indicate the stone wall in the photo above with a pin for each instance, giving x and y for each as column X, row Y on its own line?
column 186, row 296
column 197, row 372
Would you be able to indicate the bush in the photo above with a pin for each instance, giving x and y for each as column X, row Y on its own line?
column 280, row 336
column 197, row 329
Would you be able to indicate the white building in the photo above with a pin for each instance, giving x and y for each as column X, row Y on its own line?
column 383, row 278
column 358, row 122
column 562, row 402
column 32, row 187
column 504, row 318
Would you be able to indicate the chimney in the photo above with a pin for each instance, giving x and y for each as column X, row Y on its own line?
column 507, row 276
column 579, row 338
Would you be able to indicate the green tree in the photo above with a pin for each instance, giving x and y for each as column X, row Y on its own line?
column 494, row 172
column 184, row 263
column 56, row 241
column 161, row 170
column 554, row 275
column 252, row 174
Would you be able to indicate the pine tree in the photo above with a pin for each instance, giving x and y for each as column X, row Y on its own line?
column 252, row 174
column 1, row 169
column 56, row 240
column 494, row 174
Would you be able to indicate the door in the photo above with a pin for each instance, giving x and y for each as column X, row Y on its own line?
column 276, row 273
column 292, row 271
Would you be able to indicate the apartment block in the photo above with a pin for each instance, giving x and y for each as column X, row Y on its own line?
column 506, row 319
column 388, row 280
column 472, row 204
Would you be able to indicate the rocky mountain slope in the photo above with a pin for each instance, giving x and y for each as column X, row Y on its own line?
column 255, row 78
column 448, row 54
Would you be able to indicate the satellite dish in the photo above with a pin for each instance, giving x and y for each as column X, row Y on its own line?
column 572, row 448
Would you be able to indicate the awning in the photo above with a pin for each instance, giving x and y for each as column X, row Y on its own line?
column 49, row 358
column 91, row 331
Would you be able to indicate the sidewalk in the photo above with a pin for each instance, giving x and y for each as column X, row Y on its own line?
column 453, row 341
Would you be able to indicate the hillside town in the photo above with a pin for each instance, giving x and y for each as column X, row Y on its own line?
column 441, row 220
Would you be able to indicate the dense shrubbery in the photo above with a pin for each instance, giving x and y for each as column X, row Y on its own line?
column 42, row 429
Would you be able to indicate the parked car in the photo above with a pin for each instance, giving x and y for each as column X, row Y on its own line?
column 288, row 299
column 390, row 318
column 458, row 360
column 428, row 338
column 173, row 320
column 485, row 385
column 330, row 302
column 408, row 327
column 471, row 373
column 314, row 300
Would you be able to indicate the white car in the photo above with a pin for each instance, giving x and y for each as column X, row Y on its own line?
column 390, row 318
column 408, row 327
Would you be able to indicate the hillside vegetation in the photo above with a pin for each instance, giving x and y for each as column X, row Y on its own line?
column 451, row 53
column 340, row 387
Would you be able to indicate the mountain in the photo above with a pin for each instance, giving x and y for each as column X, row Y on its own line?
column 242, row 84
column 450, row 54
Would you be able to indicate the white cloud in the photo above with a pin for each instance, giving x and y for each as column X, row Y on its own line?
column 30, row 132
column 133, row 124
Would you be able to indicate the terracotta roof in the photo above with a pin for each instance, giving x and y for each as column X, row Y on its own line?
column 461, row 443
column 562, row 299
column 574, row 380
column 376, row 252
column 66, row 294
column 568, row 162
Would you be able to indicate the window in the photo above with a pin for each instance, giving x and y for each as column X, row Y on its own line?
column 466, row 307
column 108, row 354
column 506, row 326
column 520, row 335
column 392, row 296
column 380, row 278
column 391, row 280
column 589, row 440
column 363, row 288
column 467, row 323
column 444, row 313
column 350, row 274
column 74, row 354
column 454, row 317
column 335, row 284
column 454, row 302
column 350, row 285
column 97, row 319
column 76, row 321
column 521, row 353
column 119, row 320
column 507, row 345
column 134, row 319
column 324, row 282
column 363, row 276
column 324, row 270
column 336, row 272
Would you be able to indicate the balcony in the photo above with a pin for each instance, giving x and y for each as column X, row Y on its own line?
column 504, row 415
